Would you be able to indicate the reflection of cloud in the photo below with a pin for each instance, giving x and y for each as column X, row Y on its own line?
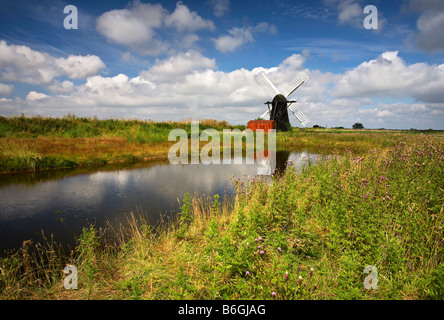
column 154, row 188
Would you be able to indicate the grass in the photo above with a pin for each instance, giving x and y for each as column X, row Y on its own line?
column 33, row 143
column 305, row 234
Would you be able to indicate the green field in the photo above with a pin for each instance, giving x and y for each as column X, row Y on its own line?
column 377, row 199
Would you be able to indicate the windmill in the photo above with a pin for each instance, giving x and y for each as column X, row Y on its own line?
column 280, row 105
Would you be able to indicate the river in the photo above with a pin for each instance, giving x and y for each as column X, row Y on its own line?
column 61, row 202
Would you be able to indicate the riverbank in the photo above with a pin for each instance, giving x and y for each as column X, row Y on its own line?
column 305, row 235
column 37, row 143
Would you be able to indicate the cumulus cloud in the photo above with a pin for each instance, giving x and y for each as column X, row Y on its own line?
column 351, row 12
column 430, row 23
column 189, row 85
column 139, row 26
column 185, row 20
column 33, row 95
column 22, row 64
column 171, row 69
column 6, row 89
column 390, row 75
column 239, row 36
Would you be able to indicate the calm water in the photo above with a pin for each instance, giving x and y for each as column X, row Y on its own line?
column 62, row 202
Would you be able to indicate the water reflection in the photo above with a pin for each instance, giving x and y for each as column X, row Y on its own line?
column 62, row 202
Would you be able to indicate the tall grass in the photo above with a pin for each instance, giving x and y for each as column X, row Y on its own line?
column 30, row 143
column 305, row 234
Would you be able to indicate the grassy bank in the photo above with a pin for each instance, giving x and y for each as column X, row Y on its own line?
column 33, row 143
column 381, row 204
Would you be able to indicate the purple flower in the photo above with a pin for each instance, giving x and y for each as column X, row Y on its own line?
column 261, row 252
column 255, row 240
column 248, row 245
column 300, row 280
column 279, row 249
column 273, row 294
column 286, row 275
column 247, row 273
column 366, row 196
column 311, row 272
column 260, row 238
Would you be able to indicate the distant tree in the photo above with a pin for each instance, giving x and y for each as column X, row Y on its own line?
column 358, row 125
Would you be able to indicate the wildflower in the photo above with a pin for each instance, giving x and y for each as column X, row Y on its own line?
column 260, row 238
column 255, row 240
column 315, row 287
column 366, row 196
column 273, row 294
column 261, row 252
column 248, row 245
column 286, row 275
column 311, row 272
column 258, row 247
column 279, row 248
column 247, row 273
column 300, row 280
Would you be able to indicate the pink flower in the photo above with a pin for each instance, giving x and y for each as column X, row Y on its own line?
column 261, row 252
column 247, row 273
column 286, row 275
column 279, row 249
column 273, row 294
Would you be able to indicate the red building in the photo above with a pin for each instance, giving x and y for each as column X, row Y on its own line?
column 261, row 124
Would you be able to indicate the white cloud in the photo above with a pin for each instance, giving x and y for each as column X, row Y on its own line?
column 33, row 95
column 64, row 87
column 236, row 38
column 22, row 64
column 239, row 36
column 430, row 23
column 189, row 85
column 220, row 7
column 134, row 27
column 390, row 75
column 142, row 26
column 6, row 89
column 171, row 69
column 350, row 12
column 185, row 20
column 79, row 67
column 430, row 26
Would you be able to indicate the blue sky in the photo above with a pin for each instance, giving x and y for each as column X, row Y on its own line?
column 174, row 60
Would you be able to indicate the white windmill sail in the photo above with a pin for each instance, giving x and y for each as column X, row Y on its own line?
column 268, row 85
column 299, row 115
column 295, row 83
